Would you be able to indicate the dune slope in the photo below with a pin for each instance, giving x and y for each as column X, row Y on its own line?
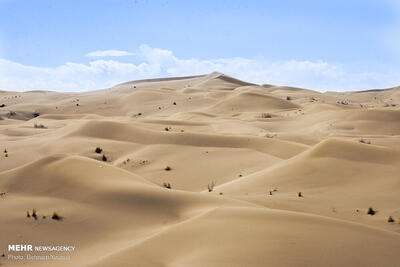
column 203, row 170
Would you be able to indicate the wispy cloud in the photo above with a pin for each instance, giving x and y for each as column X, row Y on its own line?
column 109, row 53
column 155, row 62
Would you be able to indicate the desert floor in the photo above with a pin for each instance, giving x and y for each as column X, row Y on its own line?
column 255, row 147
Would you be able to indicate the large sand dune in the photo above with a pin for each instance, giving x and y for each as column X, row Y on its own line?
column 259, row 145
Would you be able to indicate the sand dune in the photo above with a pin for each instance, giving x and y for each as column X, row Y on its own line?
column 142, row 199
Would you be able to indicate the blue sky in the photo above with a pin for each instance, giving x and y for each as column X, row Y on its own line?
column 322, row 45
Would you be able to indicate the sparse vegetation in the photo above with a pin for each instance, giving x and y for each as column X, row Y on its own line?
column 211, row 186
column 174, row 103
column 34, row 215
column 390, row 219
column 104, row 158
column 56, row 216
column 11, row 113
column 269, row 135
column 363, row 141
column 288, row 98
column 167, row 168
column 35, row 114
column 166, row 128
column 28, row 215
column 266, row 116
column 39, row 126
column 98, row 150
column 371, row 211
column 167, row 185
column 300, row 194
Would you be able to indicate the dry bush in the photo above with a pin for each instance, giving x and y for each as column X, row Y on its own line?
column 390, row 219
column 167, row 185
column 104, row 158
column 98, row 150
column 39, row 126
column 363, row 141
column 371, row 211
column 168, row 168
column 266, row 116
column 211, row 186
column 56, row 216
column 34, row 215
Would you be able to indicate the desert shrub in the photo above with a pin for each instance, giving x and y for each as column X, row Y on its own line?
column 11, row 113
column 175, row 103
column 266, row 116
column 363, row 141
column 35, row 114
column 167, row 185
column 371, row 211
column 34, row 215
column 168, row 168
column 390, row 219
column 300, row 194
column 288, row 98
column 211, row 186
column 56, row 216
column 104, row 158
column 166, row 128
column 98, row 150
column 39, row 126
column 269, row 135
column 28, row 215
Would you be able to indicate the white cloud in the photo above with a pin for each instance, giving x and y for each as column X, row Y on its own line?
column 155, row 62
column 109, row 53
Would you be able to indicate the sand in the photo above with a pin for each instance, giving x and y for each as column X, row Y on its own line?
column 259, row 145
